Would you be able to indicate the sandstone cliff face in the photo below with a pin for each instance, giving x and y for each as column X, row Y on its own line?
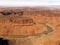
column 30, row 26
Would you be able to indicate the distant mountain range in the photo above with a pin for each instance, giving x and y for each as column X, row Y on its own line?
column 48, row 6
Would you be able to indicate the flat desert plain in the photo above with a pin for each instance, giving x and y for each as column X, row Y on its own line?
column 30, row 25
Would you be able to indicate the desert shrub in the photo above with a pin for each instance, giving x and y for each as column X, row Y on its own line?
column 3, row 41
column 6, row 12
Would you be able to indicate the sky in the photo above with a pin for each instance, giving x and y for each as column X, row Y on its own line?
column 14, row 3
